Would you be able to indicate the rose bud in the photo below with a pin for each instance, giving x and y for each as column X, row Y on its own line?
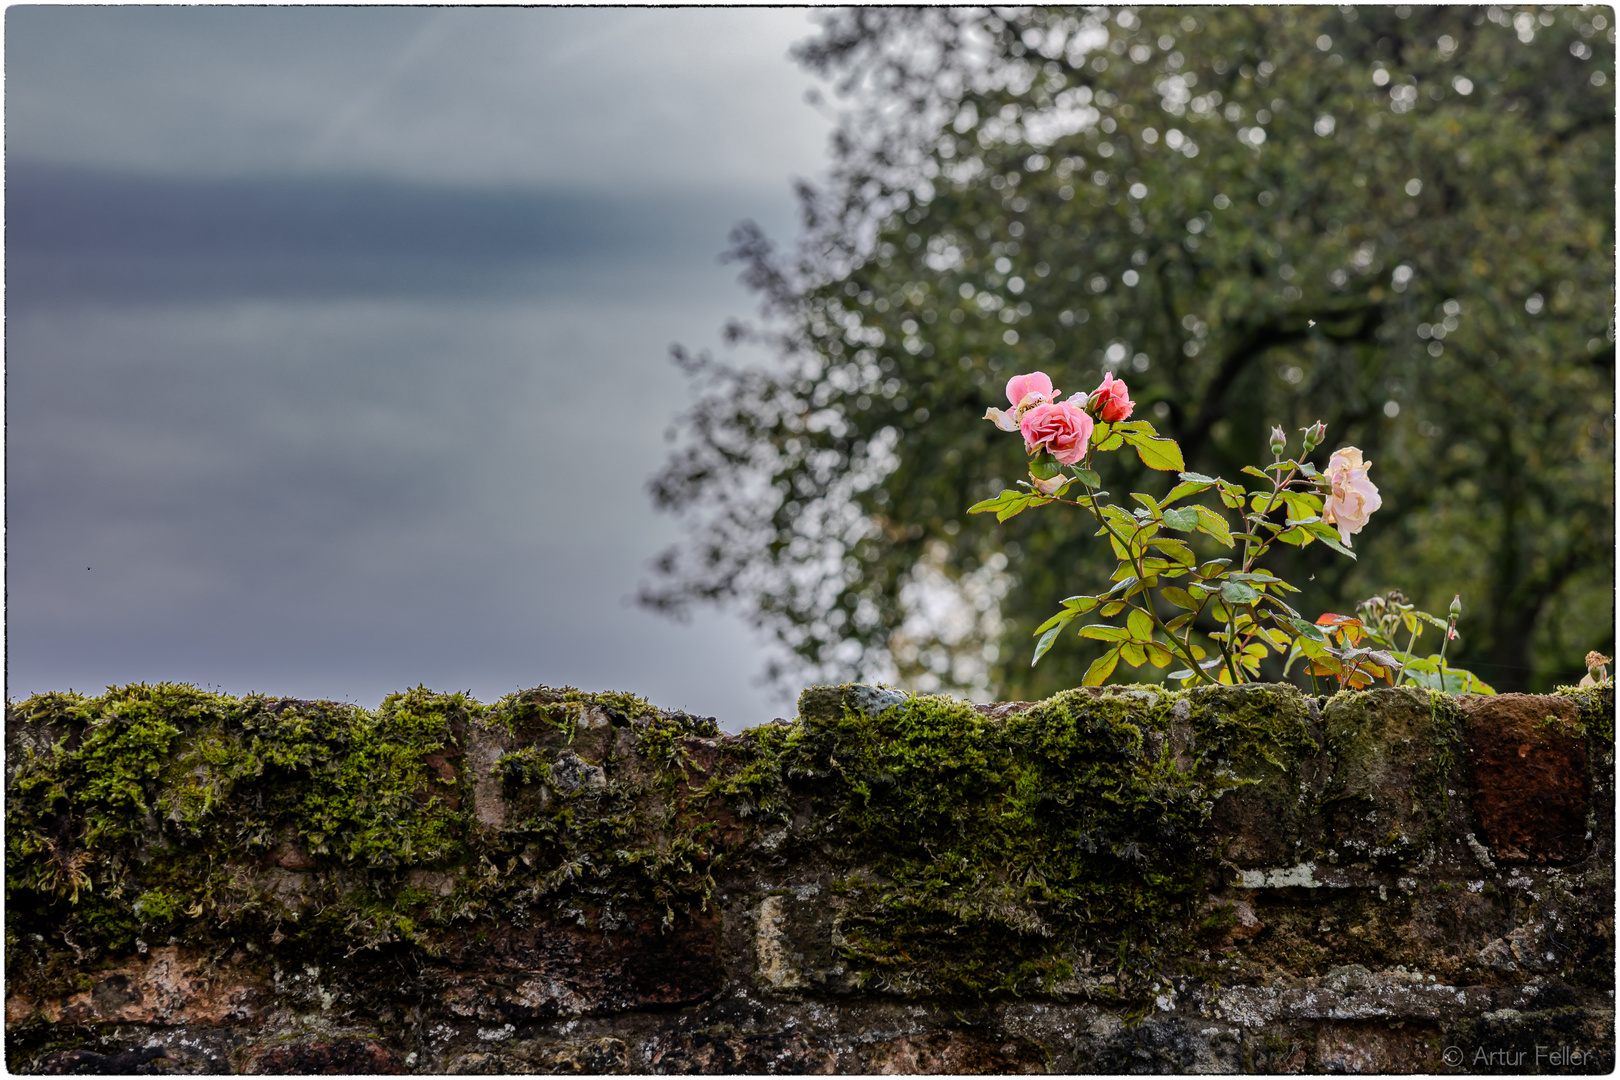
column 1111, row 401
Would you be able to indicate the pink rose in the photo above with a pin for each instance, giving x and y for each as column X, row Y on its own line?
column 1025, row 392
column 1035, row 384
column 1062, row 430
column 1353, row 497
column 1111, row 401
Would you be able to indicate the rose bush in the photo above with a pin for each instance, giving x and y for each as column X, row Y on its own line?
column 1173, row 602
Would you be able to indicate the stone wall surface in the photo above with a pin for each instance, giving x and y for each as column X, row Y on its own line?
column 1119, row 880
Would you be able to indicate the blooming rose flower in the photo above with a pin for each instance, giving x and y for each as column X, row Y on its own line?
column 1024, row 392
column 1353, row 497
column 1111, row 401
column 1022, row 388
column 1062, row 429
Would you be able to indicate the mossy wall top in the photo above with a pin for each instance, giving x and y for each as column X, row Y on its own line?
column 1082, row 848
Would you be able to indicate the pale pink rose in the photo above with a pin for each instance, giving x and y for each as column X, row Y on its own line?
column 1025, row 392
column 1028, row 391
column 1062, row 430
column 1112, row 401
column 1353, row 497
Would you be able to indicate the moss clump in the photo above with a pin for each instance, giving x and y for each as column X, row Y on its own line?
column 1594, row 707
column 597, row 837
column 1006, row 854
column 158, row 811
column 1392, row 754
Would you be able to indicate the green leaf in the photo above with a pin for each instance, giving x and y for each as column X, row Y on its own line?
column 1296, row 537
column 1101, row 668
column 1307, row 630
column 1086, row 477
column 1008, row 504
column 1124, row 583
column 1252, row 471
column 1174, row 548
column 1046, row 466
column 1236, row 592
column 1080, row 604
column 1014, row 511
column 1104, row 632
column 1302, row 504
column 1182, row 520
column 1147, row 500
column 1183, row 489
column 1214, row 525
column 1133, row 653
column 1058, row 621
column 1140, row 625
column 1156, row 453
column 996, row 503
column 1199, row 478
column 1045, row 643
column 1179, row 597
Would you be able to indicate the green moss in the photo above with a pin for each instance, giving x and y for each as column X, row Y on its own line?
column 1594, row 706
column 524, row 766
column 156, row 809
column 1392, row 754
column 156, row 906
column 1006, row 850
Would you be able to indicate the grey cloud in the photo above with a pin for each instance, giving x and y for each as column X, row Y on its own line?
column 83, row 233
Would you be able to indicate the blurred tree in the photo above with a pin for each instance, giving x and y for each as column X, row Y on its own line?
column 1399, row 220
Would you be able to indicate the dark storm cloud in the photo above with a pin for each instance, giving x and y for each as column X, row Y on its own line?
column 75, row 233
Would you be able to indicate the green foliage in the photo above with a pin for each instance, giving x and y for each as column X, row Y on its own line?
column 1240, row 596
column 1398, row 220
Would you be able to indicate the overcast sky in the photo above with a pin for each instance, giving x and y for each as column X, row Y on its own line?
column 337, row 339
